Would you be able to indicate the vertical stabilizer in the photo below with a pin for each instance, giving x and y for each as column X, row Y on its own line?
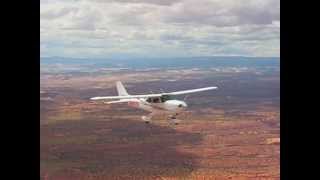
column 121, row 90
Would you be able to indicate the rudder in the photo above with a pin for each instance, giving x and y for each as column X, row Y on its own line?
column 121, row 90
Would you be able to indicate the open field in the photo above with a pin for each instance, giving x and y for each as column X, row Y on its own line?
column 231, row 133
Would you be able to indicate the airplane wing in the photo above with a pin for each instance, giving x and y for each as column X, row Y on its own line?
column 126, row 97
column 154, row 95
column 120, row 101
column 191, row 91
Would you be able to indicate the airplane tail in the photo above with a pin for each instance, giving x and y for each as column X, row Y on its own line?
column 121, row 90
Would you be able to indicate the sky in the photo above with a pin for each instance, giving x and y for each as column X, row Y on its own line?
column 159, row 28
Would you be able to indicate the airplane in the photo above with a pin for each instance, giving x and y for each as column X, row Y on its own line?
column 162, row 103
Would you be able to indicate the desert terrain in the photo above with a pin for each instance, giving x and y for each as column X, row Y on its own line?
column 231, row 133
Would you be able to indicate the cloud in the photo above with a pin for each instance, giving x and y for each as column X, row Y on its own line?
column 223, row 13
column 157, row 2
column 100, row 28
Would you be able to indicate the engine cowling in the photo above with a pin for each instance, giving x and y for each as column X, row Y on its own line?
column 175, row 105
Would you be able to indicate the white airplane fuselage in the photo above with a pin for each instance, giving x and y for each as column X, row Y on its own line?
column 169, row 106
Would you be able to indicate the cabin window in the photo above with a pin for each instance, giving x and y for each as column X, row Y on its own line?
column 156, row 100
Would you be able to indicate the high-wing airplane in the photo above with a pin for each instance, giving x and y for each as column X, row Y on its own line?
column 163, row 103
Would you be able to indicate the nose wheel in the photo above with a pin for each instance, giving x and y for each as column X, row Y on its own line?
column 173, row 120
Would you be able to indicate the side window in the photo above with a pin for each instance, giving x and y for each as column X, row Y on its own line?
column 149, row 100
column 156, row 100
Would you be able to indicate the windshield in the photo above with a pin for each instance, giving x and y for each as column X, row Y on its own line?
column 165, row 98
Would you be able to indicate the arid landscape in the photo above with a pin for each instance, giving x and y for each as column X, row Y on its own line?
column 230, row 133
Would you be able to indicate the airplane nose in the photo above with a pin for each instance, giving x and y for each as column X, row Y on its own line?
column 182, row 105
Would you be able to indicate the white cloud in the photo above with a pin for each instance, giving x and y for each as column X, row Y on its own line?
column 103, row 28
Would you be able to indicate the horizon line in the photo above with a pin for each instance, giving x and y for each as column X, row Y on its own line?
column 158, row 57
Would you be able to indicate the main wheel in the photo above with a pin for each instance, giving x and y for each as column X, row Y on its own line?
column 146, row 119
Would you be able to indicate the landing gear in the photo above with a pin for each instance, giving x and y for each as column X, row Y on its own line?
column 173, row 119
column 146, row 119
